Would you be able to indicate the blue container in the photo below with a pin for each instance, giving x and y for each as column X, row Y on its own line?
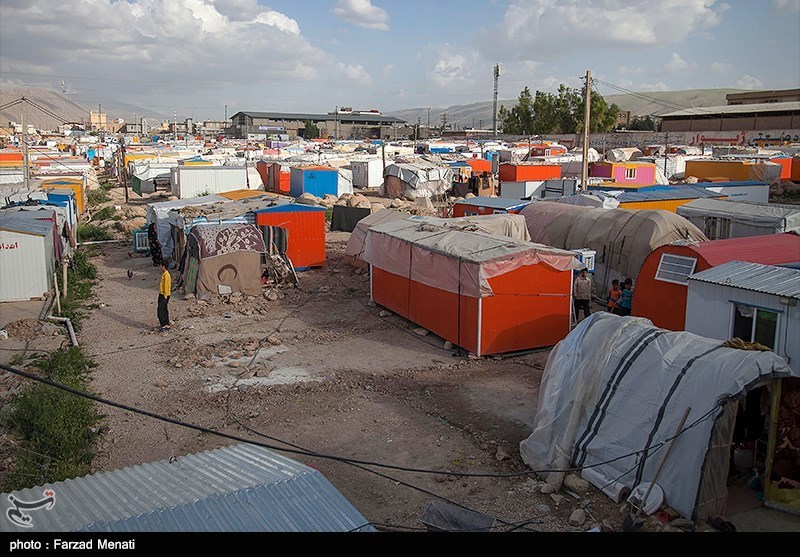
column 317, row 181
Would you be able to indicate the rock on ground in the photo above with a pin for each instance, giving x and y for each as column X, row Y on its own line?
column 308, row 199
column 576, row 484
column 577, row 518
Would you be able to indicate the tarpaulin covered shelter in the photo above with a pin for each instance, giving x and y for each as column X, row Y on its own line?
column 720, row 219
column 413, row 180
column 354, row 250
column 224, row 255
column 622, row 238
column 613, row 393
column 158, row 214
column 486, row 293
column 661, row 291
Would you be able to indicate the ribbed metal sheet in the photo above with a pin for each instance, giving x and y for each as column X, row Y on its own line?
column 779, row 281
column 236, row 488
column 735, row 109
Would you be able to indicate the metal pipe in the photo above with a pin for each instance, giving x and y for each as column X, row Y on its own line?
column 73, row 339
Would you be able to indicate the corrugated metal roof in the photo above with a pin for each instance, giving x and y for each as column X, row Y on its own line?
column 769, row 249
column 493, row 202
column 24, row 223
column 780, row 281
column 732, row 184
column 236, row 488
column 747, row 208
column 735, row 109
column 663, row 194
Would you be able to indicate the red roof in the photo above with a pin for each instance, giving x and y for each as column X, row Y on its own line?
column 770, row 249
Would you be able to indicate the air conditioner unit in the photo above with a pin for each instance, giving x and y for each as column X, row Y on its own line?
column 586, row 257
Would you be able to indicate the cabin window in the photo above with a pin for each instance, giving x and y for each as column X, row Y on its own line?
column 755, row 325
column 500, row 211
column 675, row 268
column 630, row 173
column 470, row 213
column 717, row 228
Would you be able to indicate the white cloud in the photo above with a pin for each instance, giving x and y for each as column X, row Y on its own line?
column 649, row 87
column 749, row 82
column 350, row 75
column 786, row 6
column 454, row 68
column 720, row 68
column 627, row 70
column 181, row 44
column 531, row 28
column 387, row 70
column 363, row 14
column 677, row 65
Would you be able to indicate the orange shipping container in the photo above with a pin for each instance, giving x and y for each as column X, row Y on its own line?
column 786, row 167
column 480, row 165
column 529, row 172
column 487, row 294
column 796, row 169
column 305, row 226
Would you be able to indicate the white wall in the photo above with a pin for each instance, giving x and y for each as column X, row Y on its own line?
column 520, row 190
column 26, row 265
column 188, row 181
column 759, row 194
column 709, row 313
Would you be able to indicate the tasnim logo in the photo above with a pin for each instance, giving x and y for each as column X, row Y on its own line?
column 16, row 514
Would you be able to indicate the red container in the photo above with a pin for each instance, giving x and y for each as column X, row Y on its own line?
column 306, row 227
column 276, row 178
column 664, row 302
column 786, row 167
column 529, row 172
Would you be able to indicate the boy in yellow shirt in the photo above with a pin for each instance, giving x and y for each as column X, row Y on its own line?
column 164, row 291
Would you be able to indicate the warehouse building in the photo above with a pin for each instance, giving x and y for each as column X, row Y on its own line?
column 740, row 117
column 338, row 125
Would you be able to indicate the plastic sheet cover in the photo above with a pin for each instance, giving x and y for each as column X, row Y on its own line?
column 618, row 385
column 622, row 238
column 158, row 213
column 453, row 260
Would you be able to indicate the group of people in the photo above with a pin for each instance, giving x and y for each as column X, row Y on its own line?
column 619, row 300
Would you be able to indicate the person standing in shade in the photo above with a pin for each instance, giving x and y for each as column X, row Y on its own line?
column 626, row 298
column 164, row 291
column 582, row 293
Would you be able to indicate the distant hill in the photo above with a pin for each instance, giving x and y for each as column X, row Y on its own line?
column 71, row 109
column 468, row 115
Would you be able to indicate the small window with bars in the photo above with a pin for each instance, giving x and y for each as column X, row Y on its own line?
column 675, row 268
column 630, row 173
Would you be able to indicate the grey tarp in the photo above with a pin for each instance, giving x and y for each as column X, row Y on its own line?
column 622, row 238
column 617, row 386
column 746, row 219
column 416, row 180
column 512, row 226
column 471, row 258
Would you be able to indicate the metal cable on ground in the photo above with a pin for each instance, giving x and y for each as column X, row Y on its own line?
column 240, row 439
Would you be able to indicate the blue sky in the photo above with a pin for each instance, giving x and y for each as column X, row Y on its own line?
column 195, row 56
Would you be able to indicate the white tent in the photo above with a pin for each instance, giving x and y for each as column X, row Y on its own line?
column 613, row 394
column 413, row 180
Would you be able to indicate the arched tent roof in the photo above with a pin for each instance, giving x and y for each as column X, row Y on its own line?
column 614, row 392
column 623, row 239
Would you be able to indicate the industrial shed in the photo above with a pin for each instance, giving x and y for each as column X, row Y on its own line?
column 27, row 256
column 662, row 288
column 720, row 219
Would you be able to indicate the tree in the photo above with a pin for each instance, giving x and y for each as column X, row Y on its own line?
column 643, row 124
column 310, row 131
column 560, row 113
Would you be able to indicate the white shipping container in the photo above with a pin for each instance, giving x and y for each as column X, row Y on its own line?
column 367, row 174
column 27, row 258
column 757, row 193
column 195, row 181
column 521, row 190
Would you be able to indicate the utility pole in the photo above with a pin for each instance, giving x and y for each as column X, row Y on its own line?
column 494, row 97
column 336, row 123
column 587, row 114
column 666, row 150
column 429, row 123
column 26, row 168
column 175, row 125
